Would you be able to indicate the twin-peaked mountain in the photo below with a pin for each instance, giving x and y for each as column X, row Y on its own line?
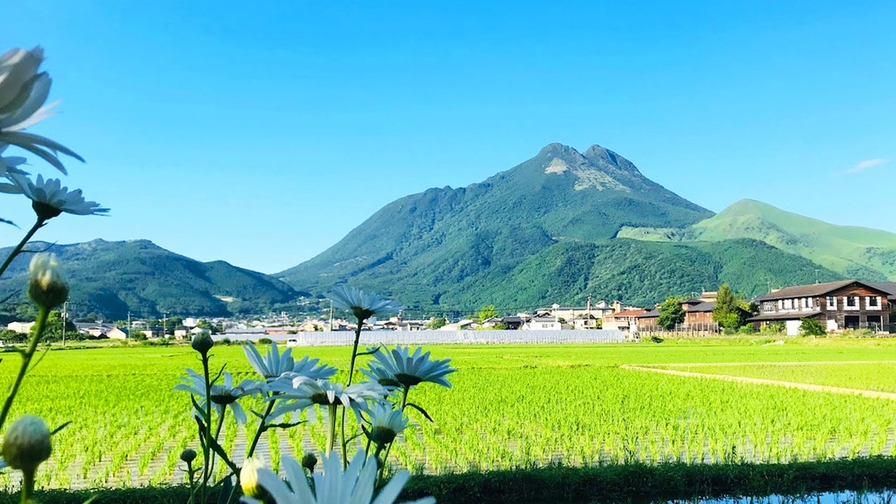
column 557, row 228
column 544, row 231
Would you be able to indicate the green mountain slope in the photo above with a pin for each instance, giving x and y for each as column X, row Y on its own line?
column 542, row 232
column 640, row 273
column 450, row 235
column 112, row 278
column 854, row 252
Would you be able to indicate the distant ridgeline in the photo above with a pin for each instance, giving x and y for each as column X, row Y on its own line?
column 557, row 228
column 113, row 278
column 565, row 225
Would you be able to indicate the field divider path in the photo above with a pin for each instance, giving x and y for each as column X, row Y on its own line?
column 761, row 381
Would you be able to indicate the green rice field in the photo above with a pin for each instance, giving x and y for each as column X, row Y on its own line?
column 510, row 406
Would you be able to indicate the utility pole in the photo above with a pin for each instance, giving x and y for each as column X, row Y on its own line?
column 129, row 324
column 64, row 318
column 164, row 324
column 331, row 314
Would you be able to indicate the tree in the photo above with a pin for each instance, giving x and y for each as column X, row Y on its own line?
column 811, row 327
column 487, row 312
column 729, row 311
column 436, row 323
column 671, row 312
column 53, row 330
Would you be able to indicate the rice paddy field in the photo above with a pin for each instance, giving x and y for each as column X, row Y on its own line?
column 509, row 407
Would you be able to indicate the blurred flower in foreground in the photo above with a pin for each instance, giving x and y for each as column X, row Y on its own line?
column 301, row 392
column 362, row 305
column 385, row 423
column 23, row 92
column 274, row 364
column 407, row 369
column 249, row 476
column 50, row 198
column 27, row 443
column 223, row 395
column 355, row 485
column 46, row 283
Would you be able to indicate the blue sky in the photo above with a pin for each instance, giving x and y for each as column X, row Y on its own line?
column 262, row 134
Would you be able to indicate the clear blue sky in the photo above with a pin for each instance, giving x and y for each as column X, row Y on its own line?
column 261, row 133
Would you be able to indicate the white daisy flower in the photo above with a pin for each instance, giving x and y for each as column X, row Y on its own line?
column 10, row 164
column 353, row 486
column 408, row 369
column 274, row 364
column 23, row 92
column 50, row 198
column 223, row 395
column 301, row 392
column 386, row 422
column 363, row 305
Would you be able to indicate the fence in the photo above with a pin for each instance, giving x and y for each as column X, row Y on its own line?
column 339, row 338
column 680, row 330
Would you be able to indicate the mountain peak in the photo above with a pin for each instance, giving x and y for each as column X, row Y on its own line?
column 558, row 150
column 607, row 159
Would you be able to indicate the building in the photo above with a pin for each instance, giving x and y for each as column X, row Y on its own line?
column 847, row 304
column 101, row 330
column 20, row 327
column 625, row 320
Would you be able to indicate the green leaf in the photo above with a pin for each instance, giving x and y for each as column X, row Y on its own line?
column 421, row 410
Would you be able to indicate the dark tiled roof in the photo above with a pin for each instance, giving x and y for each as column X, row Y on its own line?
column 811, row 290
column 651, row 314
column 704, row 306
column 888, row 287
column 692, row 301
column 784, row 316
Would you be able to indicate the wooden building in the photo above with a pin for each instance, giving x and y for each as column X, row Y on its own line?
column 847, row 304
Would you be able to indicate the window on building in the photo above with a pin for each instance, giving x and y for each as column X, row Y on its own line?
column 768, row 306
column 873, row 302
column 831, row 302
column 852, row 301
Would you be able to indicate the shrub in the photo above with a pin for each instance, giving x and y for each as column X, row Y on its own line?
column 811, row 327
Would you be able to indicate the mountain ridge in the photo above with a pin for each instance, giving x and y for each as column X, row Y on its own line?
column 491, row 242
column 116, row 277
column 852, row 251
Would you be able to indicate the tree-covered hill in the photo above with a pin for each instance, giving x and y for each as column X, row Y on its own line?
column 113, row 278
column 451, row 235
column 852, row 251
column 543, row 232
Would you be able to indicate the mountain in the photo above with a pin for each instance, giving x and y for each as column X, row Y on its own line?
column 113, row 278
column 453, row 234
column 544, row 231
column 853, row 252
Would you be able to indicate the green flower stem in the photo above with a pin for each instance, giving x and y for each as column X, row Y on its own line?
column 191, row 472
column 404, row 402
column 260, row 430
column 351, row 374
column 16, row 251
column 206, row 450
column 27, row 486
column 38, row 330
column 211, row 468
column 331, row 432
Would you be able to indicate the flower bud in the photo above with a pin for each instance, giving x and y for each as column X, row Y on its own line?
column 27, row 443
column 249, row 477
column 202, row 343
column 188, row 455
column 46, row 283
column 309, row 461
column 382, row 435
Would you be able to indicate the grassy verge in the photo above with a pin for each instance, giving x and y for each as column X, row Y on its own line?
column 615, row 483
